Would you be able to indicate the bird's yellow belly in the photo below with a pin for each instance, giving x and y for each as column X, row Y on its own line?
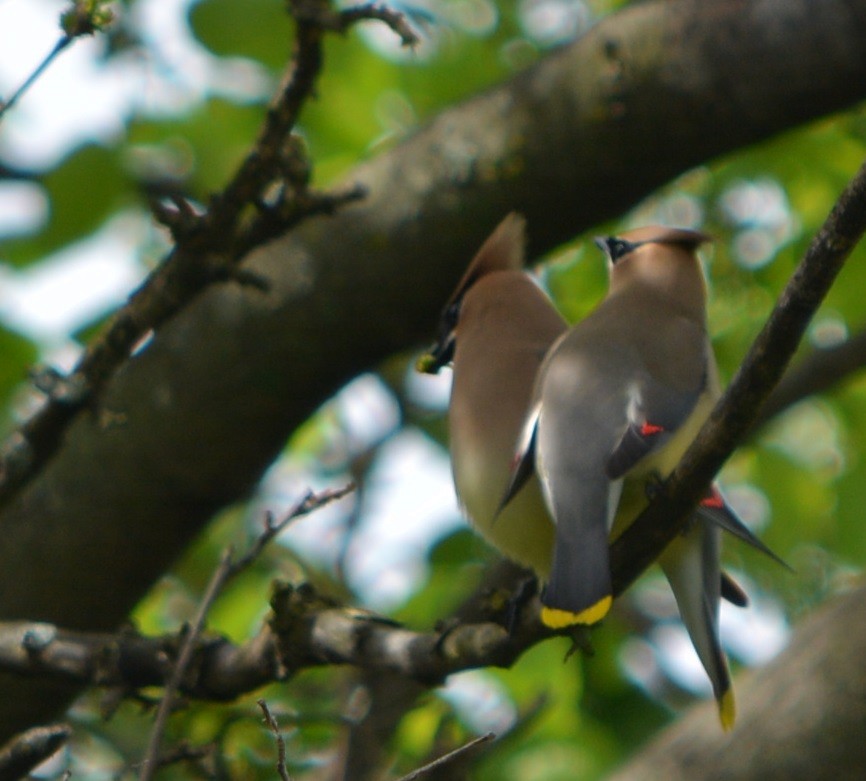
column 523, row 530
column 660, row 464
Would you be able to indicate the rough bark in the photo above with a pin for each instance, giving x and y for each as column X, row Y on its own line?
column 191, row 422
column 801, row 717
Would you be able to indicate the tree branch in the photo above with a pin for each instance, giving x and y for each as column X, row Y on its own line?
column 84, row 17
column 447, row 759
column 799, row 718
column 149, row 763
column 225, row 571
column 271, row 721
column 304, row 630
column 784, row 709
column 208, row 246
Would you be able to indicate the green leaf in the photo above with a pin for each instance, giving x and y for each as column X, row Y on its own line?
column 207, row 145
column 83, row 191
column 16, row 355
column 258, row 29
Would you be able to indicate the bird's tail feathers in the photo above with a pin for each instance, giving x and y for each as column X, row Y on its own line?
column 691, row 565
column 579, row 590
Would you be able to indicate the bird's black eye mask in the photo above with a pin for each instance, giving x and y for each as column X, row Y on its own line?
column 615, row 248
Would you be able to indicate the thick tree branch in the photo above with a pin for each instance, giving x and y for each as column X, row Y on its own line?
column 800, row 718
column 737, row 410
column 190, row 422
column 304, row 630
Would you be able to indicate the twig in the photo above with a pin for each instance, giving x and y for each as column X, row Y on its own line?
column 84, row 18
column 226, row 569
column 183, row 752
column 305, row 506
column 151, row 757
column 340, row 21
column 25, row 751
column 736, row 412
column 40, row 69
column 258, row 168
column 281, row 743
column 451, row 756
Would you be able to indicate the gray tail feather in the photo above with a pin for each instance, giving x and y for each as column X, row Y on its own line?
column 733, row 592
column 717, row 664
column 580, row 575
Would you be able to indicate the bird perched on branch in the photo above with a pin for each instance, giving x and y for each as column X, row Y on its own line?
column 617, row 401
column 496, row 328
column 620, row 394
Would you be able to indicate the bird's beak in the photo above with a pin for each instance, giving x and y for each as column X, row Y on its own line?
column 439, row 355
column 603, row 243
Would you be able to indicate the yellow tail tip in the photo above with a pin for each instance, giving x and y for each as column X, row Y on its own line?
column 727, row 710
column 557, row 619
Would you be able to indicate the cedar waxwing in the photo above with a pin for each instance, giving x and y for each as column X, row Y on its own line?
column 622, row 394
column 496, row 327
column 506, row 324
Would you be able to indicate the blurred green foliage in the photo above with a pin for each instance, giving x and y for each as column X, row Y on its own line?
column 84, row 190
column 17, row 355
column 575, row 718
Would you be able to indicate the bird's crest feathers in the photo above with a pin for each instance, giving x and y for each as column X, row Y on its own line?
column 504, row 250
